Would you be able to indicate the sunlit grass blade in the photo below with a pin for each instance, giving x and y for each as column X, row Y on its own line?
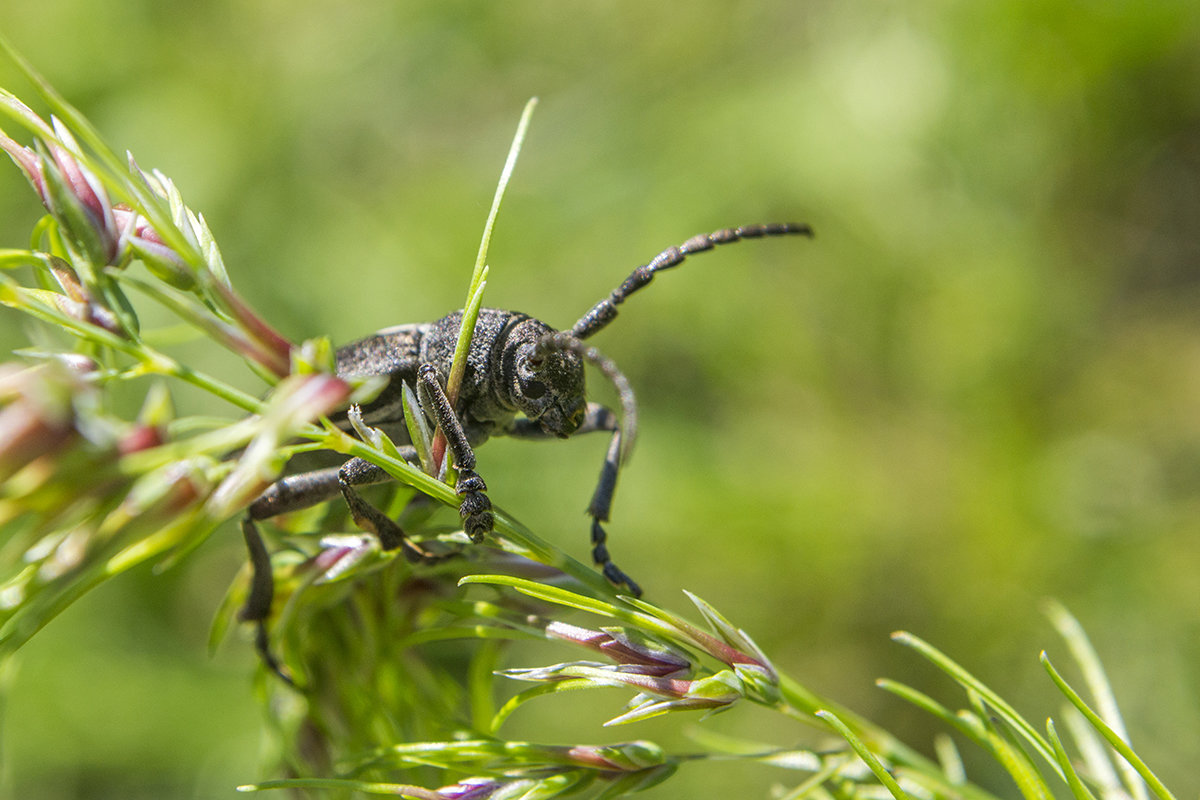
column 968, row 681
column 1080, row 791
column 479, row 274
column 1098, row 684
column 1018, row 765
column 551, row 594
column 1116, row 742
column 949, row 759
column 881, row 772
column 1094, row 752
column 931, row 706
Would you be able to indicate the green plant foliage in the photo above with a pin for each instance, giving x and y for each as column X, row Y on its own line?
column 972, row 391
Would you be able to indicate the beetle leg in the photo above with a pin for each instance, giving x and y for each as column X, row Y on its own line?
column 599, row 509
column 258, row 600
column 358, row 472
column 474, row 508
column 305, row 489
column 599, row 418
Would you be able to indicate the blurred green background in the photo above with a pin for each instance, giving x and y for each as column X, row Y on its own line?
column 977, row 388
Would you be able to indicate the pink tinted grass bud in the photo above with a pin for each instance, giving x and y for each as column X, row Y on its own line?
column 730, row 645
column 625, row 757
column 140, row 239
column 716, row 690
column 77, row 363
column 77, row 301
column 85, row 187
column 274, row 351
column 469, row 789
column 37, row 417
column 140, row 437
column 657, row 661
column 88, row 312
column 315, row 395
column 68, row 279
column 340, row 554
column 27, row 161
column 166, row 492
column 77, row 201
column 27, row 434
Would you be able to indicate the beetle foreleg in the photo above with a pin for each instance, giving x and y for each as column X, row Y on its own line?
column 475, row 508
column 599, row 418
column 359, row 472
column 599, row 509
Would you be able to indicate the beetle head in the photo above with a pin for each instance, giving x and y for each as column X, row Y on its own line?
column 566, row 344
column 544, row 384
column 542, row 375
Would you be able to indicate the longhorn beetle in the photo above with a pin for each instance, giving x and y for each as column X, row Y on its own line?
column 522, row 379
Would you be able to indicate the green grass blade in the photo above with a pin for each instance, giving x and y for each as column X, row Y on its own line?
column 1098, row 684
column 1116, row 742
column 949, row 759
column 968, row 681
column 550, row 594
column 1076, row 785
column 1016, row 762
column 865, row 754
column 931, row 706
column 1094, row 752
column 479, row 275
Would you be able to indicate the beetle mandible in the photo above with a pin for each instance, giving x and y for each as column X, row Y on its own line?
column 523, row 379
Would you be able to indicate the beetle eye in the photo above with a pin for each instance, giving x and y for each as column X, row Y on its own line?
column 533, row 389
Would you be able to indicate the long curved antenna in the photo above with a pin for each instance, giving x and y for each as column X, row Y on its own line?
column 567, row 341
column 606, row 310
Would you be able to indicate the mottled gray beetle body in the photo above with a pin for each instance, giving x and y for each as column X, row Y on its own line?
column 523, row 379
column 500, row 381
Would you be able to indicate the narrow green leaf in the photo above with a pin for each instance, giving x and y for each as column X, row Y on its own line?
column 1117, row 743
column 551, row 594
column 1076, row 785
column 1095, row 753
column 931, row 706
column 1019, row 767
column 636, row 781
column 521, row 698
column 968, row 681
column 949, row 759
column 479, row 274
column 418, row 428
column 480, row 684
column 345, row 785
column 1098, row 684
column 865, row 754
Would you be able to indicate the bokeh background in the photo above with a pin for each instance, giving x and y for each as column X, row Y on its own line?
column 979, row 386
